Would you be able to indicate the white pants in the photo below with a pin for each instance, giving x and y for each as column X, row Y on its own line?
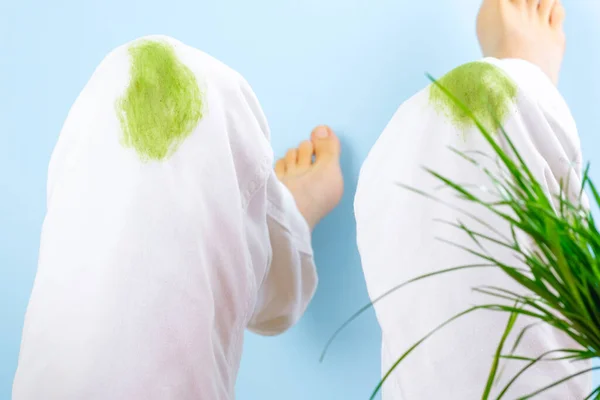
column 150, row 271
column 398, row 240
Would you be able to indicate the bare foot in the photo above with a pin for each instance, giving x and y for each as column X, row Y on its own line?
column 531, row 30
column 317, row 185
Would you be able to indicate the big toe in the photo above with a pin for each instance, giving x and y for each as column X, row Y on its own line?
column 325, row 142
column 557, row 15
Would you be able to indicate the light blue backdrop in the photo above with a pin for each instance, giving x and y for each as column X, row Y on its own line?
column 348, row 63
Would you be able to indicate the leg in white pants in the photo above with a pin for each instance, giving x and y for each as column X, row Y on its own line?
column 397, row 231
column 152, row 265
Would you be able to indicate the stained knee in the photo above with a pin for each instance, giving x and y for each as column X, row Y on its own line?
column 477, row 90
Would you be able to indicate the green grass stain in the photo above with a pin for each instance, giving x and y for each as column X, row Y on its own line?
column 483, row 88
column 162, row 104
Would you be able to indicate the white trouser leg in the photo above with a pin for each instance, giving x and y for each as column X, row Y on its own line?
column 397, row 239
column 150, row 270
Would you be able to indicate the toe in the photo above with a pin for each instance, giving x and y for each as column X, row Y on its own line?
column 305, row 153
column 532, row 5
column 520, row 3
column 325, row 142
column 291, row 159
column 545, row 9
column 557, row 16
column 280, row 168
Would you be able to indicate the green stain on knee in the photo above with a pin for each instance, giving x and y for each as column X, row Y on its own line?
column 483, row 88
column 163, row 103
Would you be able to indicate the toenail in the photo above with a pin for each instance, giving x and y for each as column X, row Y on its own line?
column 322, row 132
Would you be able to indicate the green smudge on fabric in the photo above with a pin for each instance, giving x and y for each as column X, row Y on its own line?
column 483, row 88
column 162, row 104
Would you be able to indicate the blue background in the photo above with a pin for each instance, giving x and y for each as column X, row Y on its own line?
column 348, row 63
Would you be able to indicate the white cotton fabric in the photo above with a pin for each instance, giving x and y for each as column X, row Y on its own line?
column 398, row 240
column 149, row 272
